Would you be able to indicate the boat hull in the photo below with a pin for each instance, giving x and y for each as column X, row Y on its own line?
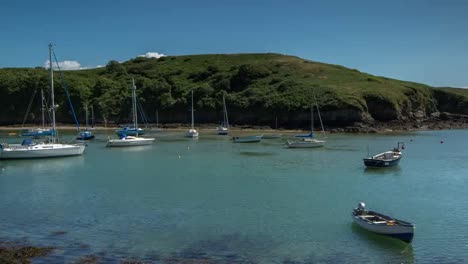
column 192, row 133
column 37, row 133
column 129, row 142
column 381, row 161
column 130, row 132
column 40, row 151
column 223, row 131
column 86, row 135
column 402, row 232
column 306, row 144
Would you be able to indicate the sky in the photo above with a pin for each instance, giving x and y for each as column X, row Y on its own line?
column 423, row 41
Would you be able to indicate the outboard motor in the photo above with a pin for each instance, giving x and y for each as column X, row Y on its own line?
column 362, row 206
column 361, row 209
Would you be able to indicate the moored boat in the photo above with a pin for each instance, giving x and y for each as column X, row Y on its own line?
column 85, row 134
column 309, row 140
column 223, row 129
column 192, row 132
column 385, row 159
column 30, row 150
column 37, row 132
column 129, row 141
column 306, row 143
column 383, row 224
column 130, row 131
column 50, row 148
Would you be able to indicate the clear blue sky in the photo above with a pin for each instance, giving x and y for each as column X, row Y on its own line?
column 421, row 41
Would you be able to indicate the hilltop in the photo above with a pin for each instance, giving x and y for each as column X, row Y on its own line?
column 259, row 89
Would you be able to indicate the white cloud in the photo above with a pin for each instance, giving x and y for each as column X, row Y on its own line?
column 152, row 55
column 65, row 65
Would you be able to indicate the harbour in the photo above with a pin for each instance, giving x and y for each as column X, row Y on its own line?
column 211, row 199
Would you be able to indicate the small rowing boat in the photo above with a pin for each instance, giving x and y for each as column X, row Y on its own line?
column 383, row 224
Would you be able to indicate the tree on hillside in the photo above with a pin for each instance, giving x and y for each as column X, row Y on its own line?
column 114, row 67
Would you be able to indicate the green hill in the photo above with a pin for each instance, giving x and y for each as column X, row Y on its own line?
column 258, row 89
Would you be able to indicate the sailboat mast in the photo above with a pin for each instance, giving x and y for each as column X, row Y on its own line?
column 86, row 115
column 192, row 109
column 135, row 121
column 312, row 118
column 318, row 112
column 52, row 92
column 42, row 108
column 92, row 116
column 320, row 119
column 226, row 120
column 157, row 119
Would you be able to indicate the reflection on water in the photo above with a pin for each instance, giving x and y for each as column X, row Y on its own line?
column 228, row 248
column 396, row 170
column 342, row 148
column 131, row 148
column 52, row 165
column 256, row 153
column 395, row 247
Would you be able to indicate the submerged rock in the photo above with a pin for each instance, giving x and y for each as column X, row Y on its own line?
column 10, row 253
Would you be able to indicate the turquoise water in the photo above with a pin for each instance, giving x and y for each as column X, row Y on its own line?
column 261, row 203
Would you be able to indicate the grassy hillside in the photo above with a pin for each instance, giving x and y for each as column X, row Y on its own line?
column 258, row 88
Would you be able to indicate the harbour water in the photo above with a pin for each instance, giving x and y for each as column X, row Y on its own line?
column 211, row 199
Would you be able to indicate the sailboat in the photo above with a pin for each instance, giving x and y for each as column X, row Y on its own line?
column 192, row 132
column 41, row 131
column 223, row 129
column 92, row 118
column 157, row 128
column 131, row 131
column 86, row 134
column 273, row 135
column 52, row 148
column 126, row 140
column 308, row 140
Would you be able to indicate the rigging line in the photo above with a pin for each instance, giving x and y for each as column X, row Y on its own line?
column 47, row 109
column 66, row 92
column 318, row 111
column 142, row 113
column 29, row 106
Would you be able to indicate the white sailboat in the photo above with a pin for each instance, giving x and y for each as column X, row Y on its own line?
column 308, row 141
column 274, row 135
column 192, row 132
column 223, row 129
column 127, row 141
column 157, row 128
column 52, row 148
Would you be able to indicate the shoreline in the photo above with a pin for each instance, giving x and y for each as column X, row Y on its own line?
column 377, row 128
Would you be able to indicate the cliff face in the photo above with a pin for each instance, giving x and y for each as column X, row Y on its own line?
column 260, row 90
